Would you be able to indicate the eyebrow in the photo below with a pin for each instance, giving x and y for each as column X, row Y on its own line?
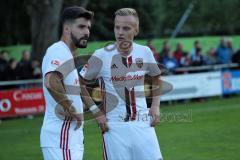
column 84, row 25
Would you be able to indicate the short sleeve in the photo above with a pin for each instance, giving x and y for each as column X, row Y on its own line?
column 53, row 61
column 152, row 69
column 92, row 70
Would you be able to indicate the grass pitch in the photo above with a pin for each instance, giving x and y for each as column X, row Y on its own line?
column 204, row 130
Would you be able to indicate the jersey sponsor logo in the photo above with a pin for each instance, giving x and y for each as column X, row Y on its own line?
column 126, row 78
column 5, row 105
column 139, row 62
column 114, row 66
column 55, row 63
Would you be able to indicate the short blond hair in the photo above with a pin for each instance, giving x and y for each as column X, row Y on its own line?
column 127, row 12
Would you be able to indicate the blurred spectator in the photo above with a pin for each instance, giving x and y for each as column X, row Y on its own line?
column 236, row 57
column 230, row 46
column 11, row 71
column 154, row 51
column 24, row 67
column 3, row 64
column 36, row 69
column 224, row 54
column 185, row 60
column 178, row 53
column 211, row 58
column 195, row 48
column 169, row 61
column 165, row 51
column 196, row 58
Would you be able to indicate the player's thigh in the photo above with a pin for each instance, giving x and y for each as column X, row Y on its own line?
column 61, row 154
column 76, row 154
column 116, row 143
column 52, row 153
column 146, row 146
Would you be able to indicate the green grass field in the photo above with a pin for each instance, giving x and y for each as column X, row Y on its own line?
column 207, row 42
column 206, row 130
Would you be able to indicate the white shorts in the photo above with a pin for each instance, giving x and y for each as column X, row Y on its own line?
column 131, row 141
column 61, row 154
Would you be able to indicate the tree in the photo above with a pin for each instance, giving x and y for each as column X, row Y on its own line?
column 38, row 25
column 45, row 16
column 15, row 23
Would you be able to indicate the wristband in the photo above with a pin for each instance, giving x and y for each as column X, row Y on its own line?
column 94, row 109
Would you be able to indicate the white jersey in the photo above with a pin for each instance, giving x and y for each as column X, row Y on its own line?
column 122, row 80
column 58, row 132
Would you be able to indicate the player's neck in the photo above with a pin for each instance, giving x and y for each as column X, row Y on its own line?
column 125, row 50
column 70, row 45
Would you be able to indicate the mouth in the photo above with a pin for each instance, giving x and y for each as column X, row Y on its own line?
column 83, row 42
column 84, row 38
column 120, row 39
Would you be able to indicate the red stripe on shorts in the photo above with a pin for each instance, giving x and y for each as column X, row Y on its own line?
column 64, row 134
column 63, row 125
column 69, row 124
column 66, row 154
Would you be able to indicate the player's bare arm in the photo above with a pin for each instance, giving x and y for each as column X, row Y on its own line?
column 155, row 107
column 97, row 113
column 54, row 84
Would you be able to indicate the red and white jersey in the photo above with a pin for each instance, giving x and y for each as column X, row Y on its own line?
column 122, row 80
column 58, row 131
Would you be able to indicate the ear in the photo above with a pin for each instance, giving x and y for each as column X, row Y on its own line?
column 136, row 31
column 66, row 29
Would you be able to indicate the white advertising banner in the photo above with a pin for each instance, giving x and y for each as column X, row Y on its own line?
column 193, row 85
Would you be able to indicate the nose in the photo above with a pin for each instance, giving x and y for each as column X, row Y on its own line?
column 87, row 32
column 120, row 31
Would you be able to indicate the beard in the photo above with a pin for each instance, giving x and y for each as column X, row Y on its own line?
column 81, row 42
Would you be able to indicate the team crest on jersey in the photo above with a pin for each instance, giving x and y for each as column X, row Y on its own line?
column 139, row 62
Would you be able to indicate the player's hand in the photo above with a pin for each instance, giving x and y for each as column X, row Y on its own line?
column 76, row 116
column 155, row 114
column 79, row 118
column 102, row 121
